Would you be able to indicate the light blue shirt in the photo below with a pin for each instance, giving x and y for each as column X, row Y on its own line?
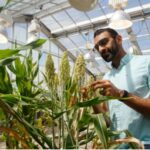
column 132, row 75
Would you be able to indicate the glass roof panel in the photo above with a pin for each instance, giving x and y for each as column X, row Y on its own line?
column 144, row 1
column 70, row 26
column 75, row 52
column 132, row 3
column 126, row 45
column 59, row 1
column 78, row 39
column 19, row 30
column 123, row 33
column 26, row 1
column 50, row 23
column 148, row 25
column 43, row 59
column 63, row 18
column 5, row 45
column 10, row 32
column 47, row 5
column 54, row 50
column 96, row 12
column 104, row 6
column 67, row 43
column 139, row 27
column 17, row 6
column 144, row 42
column 75, row 15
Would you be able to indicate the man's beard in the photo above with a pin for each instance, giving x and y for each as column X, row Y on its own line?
column 109, row 55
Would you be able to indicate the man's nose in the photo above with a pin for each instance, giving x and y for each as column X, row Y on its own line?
column 102, row 49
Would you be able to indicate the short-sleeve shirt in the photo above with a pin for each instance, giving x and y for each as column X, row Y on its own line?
column 133, row 75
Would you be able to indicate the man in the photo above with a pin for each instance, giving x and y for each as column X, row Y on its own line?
column 129, row 77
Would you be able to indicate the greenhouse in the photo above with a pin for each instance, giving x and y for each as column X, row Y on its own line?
column 75, row 74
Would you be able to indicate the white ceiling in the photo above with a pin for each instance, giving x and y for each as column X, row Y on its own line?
column 71, row 29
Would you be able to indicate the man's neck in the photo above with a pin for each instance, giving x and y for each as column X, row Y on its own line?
column 117, row 59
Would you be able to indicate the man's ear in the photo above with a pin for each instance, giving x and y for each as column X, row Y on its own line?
column 119, row 39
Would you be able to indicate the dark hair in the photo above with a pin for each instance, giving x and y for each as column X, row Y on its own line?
column 112, row 32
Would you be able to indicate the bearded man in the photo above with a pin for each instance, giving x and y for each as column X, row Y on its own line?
column 130, row 78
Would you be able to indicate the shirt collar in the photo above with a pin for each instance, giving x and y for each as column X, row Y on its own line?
column 125, row 60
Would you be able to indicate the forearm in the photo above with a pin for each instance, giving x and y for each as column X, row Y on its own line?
column 139, row 104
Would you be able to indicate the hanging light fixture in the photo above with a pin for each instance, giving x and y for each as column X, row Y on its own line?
column 34, row 26
column 33, row 31
column 120, row 19
column 32, row 37
column 83, row 5
column 118, row 4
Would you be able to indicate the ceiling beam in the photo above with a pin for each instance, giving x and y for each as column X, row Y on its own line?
column 52, row 10
column 135, row 13
column 26, row 8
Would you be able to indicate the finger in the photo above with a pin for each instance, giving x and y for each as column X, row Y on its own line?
column 100, row 82
column 96, row 82
column 106, row 92
column 104, row 85
column 101, row 91
column 84, row 89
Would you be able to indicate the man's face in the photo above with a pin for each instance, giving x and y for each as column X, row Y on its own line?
column 106, row 46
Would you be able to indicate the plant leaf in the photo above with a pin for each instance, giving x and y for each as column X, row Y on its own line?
column 101, row 129
column 7, row 61
column 15, row 134
column 39, row 137
column 10, row 98
column 8, row 53
column 98, row 100
column 34, row 44
column 85, row 120
column 5, row 83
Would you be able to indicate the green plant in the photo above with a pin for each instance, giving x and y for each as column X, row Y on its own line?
column 58, row 116
column 21, row 98
column 75, row 124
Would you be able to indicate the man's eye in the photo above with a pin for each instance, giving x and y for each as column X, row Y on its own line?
column 103, row 42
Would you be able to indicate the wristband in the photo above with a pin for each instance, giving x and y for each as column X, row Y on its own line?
column 125, row 94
